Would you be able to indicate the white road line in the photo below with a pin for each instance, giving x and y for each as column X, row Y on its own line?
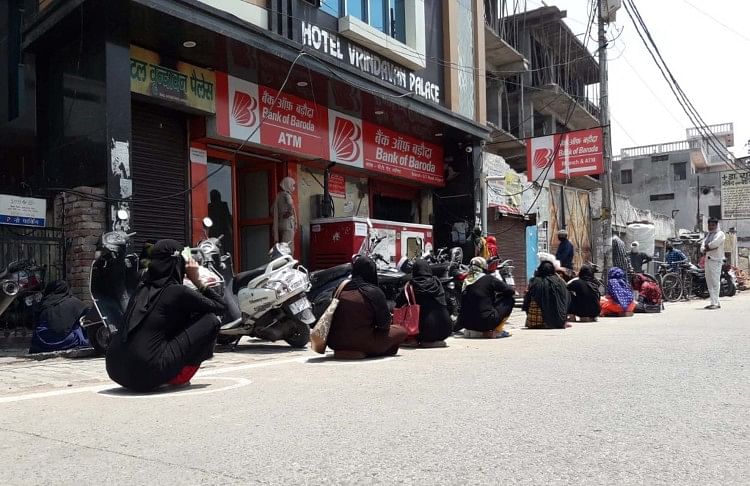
column 107, row 386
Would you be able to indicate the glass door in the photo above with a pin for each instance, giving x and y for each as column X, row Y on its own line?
column 256, row 183
column 221, row 201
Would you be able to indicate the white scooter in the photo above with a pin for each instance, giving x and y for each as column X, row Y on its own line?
column 268, row 302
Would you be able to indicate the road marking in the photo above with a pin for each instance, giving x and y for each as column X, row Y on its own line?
column 98, row 388
column 119, row 392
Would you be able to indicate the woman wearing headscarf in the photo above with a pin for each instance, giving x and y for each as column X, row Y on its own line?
column 585, row 295
column 619, row 299
column 486, row 302
column 169, row 329
column 434, row 320
column 547, row 299
column 57, row 327
column 361, row 326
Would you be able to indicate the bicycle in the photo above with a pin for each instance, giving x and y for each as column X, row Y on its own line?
column 672, row 283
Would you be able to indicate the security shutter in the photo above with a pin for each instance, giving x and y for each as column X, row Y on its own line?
column 510, row 232
column 160, row 165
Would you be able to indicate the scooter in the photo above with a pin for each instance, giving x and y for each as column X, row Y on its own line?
column 114, row 278
column 502, row 271
column 24, row 280
column 9, row 287
column 268, row 302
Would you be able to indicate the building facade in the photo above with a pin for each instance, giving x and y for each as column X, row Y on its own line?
column 180, row 109
column 541, row 80
column 681, row 179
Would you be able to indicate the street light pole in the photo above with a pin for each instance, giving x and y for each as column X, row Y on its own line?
column 606, row 214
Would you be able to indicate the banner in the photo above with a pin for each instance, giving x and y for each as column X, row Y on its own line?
column 565, row 155
column 182, row 83
column 735, row 191
column 296, row 125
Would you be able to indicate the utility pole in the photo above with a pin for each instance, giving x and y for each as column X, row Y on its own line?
column 606, row 214
column 698, row 218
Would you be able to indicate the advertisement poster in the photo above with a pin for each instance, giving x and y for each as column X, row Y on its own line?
column 735, row 188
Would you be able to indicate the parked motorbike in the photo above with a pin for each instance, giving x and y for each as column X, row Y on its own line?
column 728, row 280
column 502, row 270
column 23, row 288
column 268, row 302
column 113, row 280
column 9, row 287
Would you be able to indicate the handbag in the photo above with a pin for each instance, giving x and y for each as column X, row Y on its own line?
column 319, row 334
column 408, row 315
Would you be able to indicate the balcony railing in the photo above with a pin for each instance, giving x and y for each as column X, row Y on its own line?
column 659, row 148
column 718, row 129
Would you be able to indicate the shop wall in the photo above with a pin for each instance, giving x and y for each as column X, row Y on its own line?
column 355, row 204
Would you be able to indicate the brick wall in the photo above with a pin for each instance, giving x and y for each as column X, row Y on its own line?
column 83, row 220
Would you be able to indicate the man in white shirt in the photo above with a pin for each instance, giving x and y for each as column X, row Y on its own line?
column 713, row 247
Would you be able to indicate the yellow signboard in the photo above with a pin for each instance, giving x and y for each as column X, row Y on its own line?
column 182, row 83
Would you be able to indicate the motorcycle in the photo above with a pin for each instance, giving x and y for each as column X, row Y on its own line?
column 27, row 279
column 268, row 302
column 112, row 282
column 728, row 281
column 502, row 271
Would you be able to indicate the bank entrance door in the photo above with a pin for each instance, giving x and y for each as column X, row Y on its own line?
column 256, row 183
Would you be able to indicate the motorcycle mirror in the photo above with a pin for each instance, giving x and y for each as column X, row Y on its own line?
column 369, row 223
column 122, row 214
column 207, row 222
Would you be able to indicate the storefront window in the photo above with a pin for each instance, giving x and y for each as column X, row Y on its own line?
column 220, row 208
column 393, row 209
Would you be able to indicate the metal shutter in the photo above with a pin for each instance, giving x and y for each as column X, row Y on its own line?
column 510, row 232
column 160, row 167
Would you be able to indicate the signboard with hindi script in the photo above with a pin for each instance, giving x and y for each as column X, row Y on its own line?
column 181, row 83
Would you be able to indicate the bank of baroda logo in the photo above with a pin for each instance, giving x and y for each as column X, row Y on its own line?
column 244, row 116
column 345, row 139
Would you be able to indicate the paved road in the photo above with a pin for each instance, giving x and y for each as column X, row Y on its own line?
column 651, row 399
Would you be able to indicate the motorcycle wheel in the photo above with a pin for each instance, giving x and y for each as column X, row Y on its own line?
column 299, row 335
column 99, row 337
column 224, row 340
column 728, row 289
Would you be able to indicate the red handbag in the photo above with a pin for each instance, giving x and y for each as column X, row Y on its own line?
column 408, row 315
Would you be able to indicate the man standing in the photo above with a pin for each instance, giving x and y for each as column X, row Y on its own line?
column 675, row 257
column 713, row 248
column 638, row 258
column 565, row 251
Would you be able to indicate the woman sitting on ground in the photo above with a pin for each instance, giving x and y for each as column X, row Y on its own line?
column 361, row 326
column 486, row 302
column 169, row 329
column 585, row 295
column 57, row 327
column 547, row 299
column 434, row 320
column 619, row 300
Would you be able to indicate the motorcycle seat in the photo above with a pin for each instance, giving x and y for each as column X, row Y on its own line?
column 320, row 277
column 242, row 278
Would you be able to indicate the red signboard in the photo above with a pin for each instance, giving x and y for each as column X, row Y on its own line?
column 337, row 185
column 247, row 111
column 400, row 155
column 570, row 154
column 293, row 123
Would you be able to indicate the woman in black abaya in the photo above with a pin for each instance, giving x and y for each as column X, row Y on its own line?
column 169, row 329
column 434, row 320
